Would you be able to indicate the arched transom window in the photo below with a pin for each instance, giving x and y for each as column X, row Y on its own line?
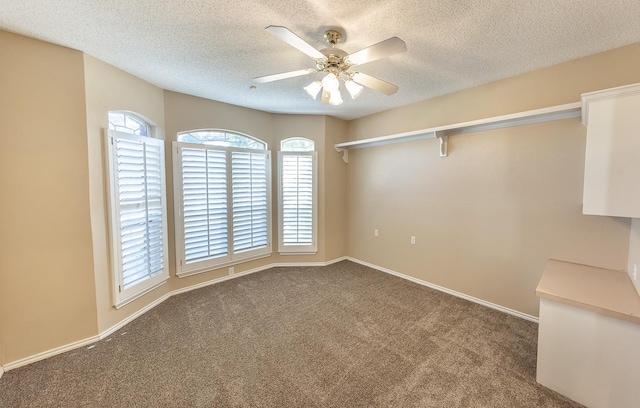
column 127, row 122
column 297, row 144
column 222, row 138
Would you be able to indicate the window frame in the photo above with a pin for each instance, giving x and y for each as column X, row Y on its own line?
column 122, row 295
column 284, row 249
column 182, row 267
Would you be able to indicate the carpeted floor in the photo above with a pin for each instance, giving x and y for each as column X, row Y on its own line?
column 338, row 336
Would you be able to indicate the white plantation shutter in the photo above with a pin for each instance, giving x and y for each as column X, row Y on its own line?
column 297, row 202
column 204, row 195
column 249, row 186
column 223, row 207
column 139, row 234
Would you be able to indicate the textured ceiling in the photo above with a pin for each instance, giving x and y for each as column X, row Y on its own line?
column 213, row 48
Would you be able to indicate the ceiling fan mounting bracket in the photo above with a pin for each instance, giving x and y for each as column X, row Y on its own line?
column 332, row 37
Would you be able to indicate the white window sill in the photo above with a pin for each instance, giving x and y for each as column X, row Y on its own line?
column 124, row 302
column 220, row 266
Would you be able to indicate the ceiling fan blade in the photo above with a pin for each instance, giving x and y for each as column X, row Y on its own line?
column 293, row 40
column 386, row 48
column 325, row 96
column 375, row 83
column 284, row 75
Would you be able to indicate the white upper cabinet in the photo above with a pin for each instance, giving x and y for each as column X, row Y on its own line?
column 612, row 165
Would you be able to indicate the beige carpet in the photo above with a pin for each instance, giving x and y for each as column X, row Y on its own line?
column 338, row 336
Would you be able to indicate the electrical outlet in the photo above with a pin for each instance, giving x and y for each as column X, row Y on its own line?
column 413, row 240
column 375, row 232
column 635, row 272
column 231, row 270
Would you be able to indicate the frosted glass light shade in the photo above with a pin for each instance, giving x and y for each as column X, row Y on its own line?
column 354, row 89
column 313, row 89
column 331, row 83
column 335, row 98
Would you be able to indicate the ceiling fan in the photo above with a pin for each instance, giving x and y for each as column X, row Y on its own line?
column 338, row 65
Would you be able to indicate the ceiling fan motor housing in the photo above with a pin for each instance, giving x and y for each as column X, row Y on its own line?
column 335, row 61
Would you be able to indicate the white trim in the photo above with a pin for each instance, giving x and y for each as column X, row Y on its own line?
column 287, row 264
column 448, row 291
column 569, row 110
column 50, row 353
column 221, row 279
column 605, row 94
column 140, row 294
column 222, row 265
column 81, row 343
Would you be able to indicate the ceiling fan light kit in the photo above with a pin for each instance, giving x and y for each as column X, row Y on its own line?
column 337, row 63
column 330, row 82
column 313, row 89
column 354, row 88
column 335, row 98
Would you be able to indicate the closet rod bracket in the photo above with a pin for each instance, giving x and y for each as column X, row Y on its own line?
column 444, row 143
column 345, row 154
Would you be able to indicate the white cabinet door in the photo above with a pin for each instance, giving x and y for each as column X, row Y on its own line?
column 612, row 164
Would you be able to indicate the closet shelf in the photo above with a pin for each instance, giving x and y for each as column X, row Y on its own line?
column 569, row 110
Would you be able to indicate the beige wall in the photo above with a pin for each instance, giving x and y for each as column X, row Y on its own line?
column 556, row 85
column 335, row 185
column 488, row 217
column 109, row 89
column 47, row 296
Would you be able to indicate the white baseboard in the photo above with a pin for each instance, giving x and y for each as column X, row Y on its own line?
column 449, row 291
column 288, row 264
column 134, row 316
column 250, row 271
column 50, row 353
column 129, row 319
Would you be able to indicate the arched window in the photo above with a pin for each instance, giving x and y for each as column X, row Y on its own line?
column 297, row 144
column 297, row 193
column 127, row 122
column 222, row 138
column 223, row 199
column 138, row 207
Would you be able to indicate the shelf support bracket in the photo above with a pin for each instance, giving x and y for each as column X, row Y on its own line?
column 444, row 143
column 345, row 154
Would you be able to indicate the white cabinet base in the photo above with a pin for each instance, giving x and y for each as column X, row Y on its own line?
column 591, row 358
